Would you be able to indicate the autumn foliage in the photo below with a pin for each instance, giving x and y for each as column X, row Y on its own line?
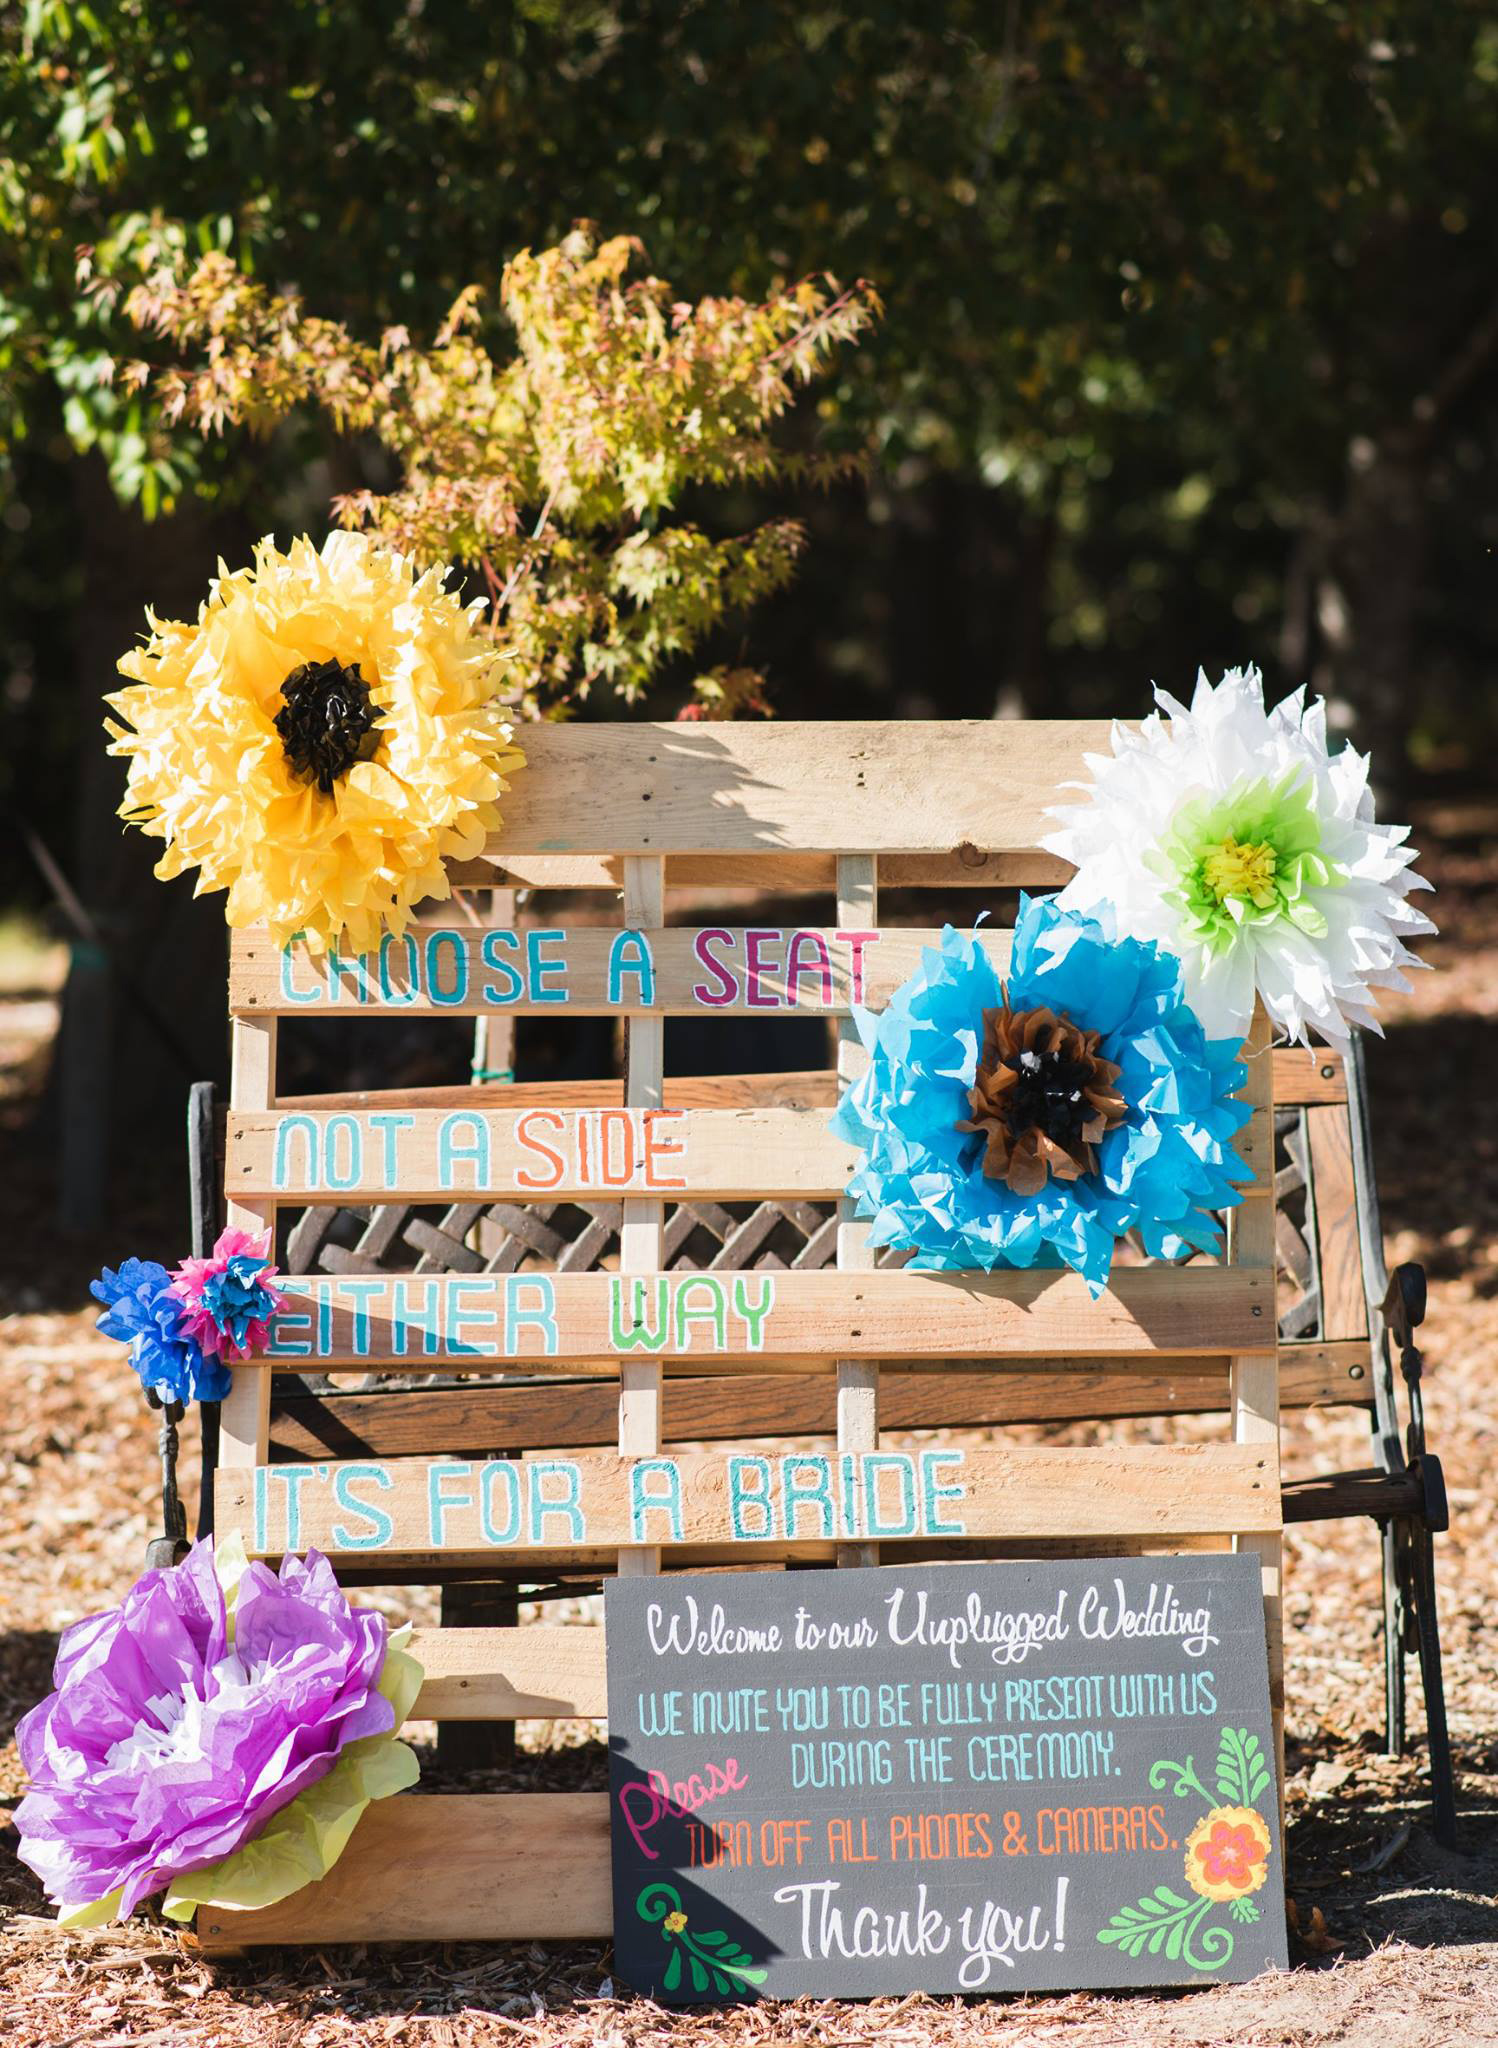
column 552, row 473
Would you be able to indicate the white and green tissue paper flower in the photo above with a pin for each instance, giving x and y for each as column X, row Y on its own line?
column 1233, row 837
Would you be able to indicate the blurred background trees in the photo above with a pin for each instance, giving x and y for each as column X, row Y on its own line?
column 1189, row 354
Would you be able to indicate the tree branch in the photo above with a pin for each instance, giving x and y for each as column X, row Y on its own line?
column 1432, row 406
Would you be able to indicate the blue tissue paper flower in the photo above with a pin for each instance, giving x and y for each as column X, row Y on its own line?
column 143, row 1312
column 1160, row 1171
column 235, row 1297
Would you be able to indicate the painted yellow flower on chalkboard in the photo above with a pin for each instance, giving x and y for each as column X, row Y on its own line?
column 1227, row 1853
column 322, row 739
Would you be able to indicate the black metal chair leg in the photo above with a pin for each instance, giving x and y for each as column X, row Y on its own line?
column 208, row 1422
column 202, row 1172
column 171, row 1546
column 1394, row 1619
column 1442, row 1776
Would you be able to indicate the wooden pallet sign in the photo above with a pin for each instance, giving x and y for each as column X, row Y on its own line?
column 479, row 1322
column 387, row 1510
column 634, row 813
column 716, row 970
column 548, row 1151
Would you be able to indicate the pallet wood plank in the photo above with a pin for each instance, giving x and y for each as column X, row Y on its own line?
column 970, row 867
column 244, row 1414
column 1304, row 1077
column 642, row 1228
column 536, row 1154
column 1344, row 1306
column 510, row 1674
column 857, row 1379
column 793, row 787
column 379, row 1511
column 585, row 1567
column 496, row 1149
column 468, row 1420
column 806, row 1088
column 1255, row 1382
column 458, row 970
column 814, row 1088
column 448, row 1867
column 482, row 1322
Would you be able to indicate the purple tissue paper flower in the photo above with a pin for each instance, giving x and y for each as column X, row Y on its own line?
column 164, row 1749
column 144, row 1313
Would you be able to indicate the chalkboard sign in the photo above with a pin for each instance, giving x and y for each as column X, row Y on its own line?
column 980, row 1778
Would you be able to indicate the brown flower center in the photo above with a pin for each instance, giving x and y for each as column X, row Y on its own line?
column 1043, row 1097
column 326, row 721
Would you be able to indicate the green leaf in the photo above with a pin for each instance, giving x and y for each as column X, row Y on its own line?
column 1156, row 1921
column 672, row 1978
column 1242, row 1774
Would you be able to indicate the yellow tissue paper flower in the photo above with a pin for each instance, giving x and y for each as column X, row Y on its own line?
column 320, row 742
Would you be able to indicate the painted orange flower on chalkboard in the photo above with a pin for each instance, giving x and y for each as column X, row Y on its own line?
column 318, row 743
column 1227, row 1853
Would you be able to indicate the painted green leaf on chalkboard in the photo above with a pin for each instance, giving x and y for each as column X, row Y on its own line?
column 1242, row 1774
column 1133, row 1928
column 713, row 1957
column 1164, row 1921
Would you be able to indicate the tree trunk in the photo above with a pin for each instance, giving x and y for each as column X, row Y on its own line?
column 1368, row 594
column 119, row 1077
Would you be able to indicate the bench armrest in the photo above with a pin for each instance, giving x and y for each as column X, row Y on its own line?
column 1404, row 1302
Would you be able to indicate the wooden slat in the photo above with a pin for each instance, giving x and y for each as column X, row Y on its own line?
column 510, row 1674
column 497, row 1148
column 1344, row 1306
column 493, row 1035
column 793, row 787
column 1337, row 1496
column 379, row 1512
column 1304, row 1077
column 575, row 959
column 807, row 1088
column 457, row 970
column 513, row 1866
column 970, row 867
column 385, row 1322
column 244, row 1416
column 798, row 1090
column 1255, row 1381
column 537, row 1154
column 469, row 1420
column 857, row 1379
column 589, row 1564
column 642, row 1229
